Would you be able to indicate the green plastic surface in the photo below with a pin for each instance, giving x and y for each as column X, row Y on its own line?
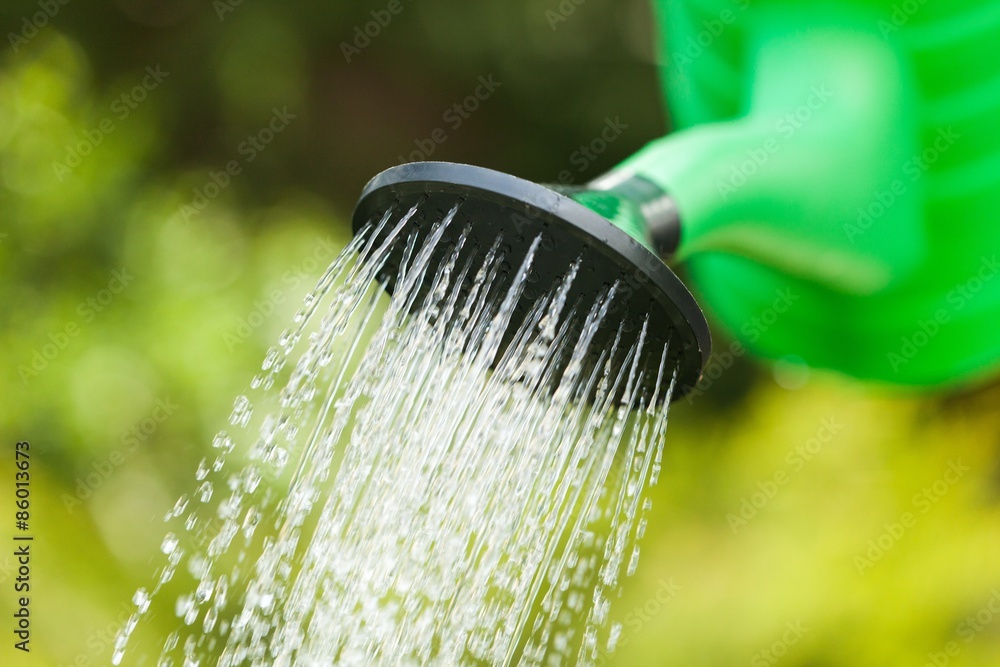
column 836, row 166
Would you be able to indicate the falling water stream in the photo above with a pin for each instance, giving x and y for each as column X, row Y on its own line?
column 398, row 487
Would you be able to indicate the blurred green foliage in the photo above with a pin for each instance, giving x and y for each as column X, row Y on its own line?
column 139, row 299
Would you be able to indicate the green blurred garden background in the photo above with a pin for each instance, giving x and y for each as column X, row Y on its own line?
column 176, row 174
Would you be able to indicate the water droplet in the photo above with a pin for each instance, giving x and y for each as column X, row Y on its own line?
column 203, row 592
column 205, row 492
column 250, row 522
column 198, row 566
column 169, row 543
column 224, row 442
column 242, row 410
column 184, row 602
column 141, row 600
column 279, row 458
column 211, row 616
column 613, row 636
column 270, row 359
column 633, row 561
column 166, row 575
column 178, row 508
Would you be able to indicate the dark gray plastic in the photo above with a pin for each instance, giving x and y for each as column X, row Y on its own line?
column 493, row 202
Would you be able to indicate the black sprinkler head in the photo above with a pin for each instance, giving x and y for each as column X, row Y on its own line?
column 492, row 203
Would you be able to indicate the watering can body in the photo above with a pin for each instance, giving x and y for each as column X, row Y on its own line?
column 835, row 168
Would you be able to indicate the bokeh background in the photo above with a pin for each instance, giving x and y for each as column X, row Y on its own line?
column 804, row 519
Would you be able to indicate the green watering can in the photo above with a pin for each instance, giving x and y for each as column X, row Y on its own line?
column 831, row 183
column 830, row 189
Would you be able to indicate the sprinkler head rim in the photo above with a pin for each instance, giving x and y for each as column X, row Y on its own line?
column 527, row 202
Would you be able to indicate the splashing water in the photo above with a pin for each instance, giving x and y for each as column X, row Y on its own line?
column 416, row 492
